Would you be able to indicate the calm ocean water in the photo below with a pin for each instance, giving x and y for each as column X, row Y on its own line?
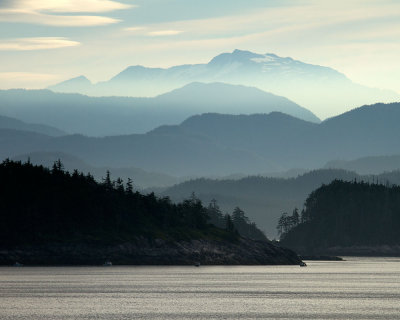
column 359, row 288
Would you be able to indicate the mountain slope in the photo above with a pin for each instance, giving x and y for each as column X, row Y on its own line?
column 232, row 99
column 117, row 115
column 365, row 131
column 11, row 123
column 73, row 85
column 173, row 154
column 319, row 88
column 368, row 165
column 293, row 143
column 14, row 142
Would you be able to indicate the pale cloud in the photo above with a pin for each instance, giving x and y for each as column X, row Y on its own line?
column 164, row 33
column 69, row 5
column 135, row 29
column 42, row 12
column 151, row 31
column 29, row 80
column 312, row 16
column 72, row 6
column 312, row 25
column 40, row 43
column 56, row 20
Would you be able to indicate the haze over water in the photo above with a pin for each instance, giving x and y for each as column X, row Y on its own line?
column 359, row 288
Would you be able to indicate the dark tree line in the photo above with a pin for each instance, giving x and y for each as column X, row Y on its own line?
column 287, row 223
column 345, row 214
column 235, row 222
column 38, row 205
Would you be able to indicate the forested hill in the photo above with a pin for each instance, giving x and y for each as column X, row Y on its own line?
column 39, row 207
column 39, row 204
column 344, row 216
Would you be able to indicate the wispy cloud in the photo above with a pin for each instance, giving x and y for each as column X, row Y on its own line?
column 164, row 33
column 69, row 5
column 41, row 43
column 310, row 15
column 135, row 29
column 29, row 80
column 148, row 31
column 56, row 20
column 47, row 12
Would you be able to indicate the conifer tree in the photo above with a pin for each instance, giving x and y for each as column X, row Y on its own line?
column 58, row 166
column 129, row 186
column 215, row 214
column 107, row 181
column 229, row 226
column 119, row 183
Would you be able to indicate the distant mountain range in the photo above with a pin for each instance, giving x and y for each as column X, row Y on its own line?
column 316, row 87
column 215, row 144
column 93, row 116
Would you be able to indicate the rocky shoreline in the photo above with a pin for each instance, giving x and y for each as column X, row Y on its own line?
column 334, row 252
column 371, row 251
column 152, row 252
column 321, row 258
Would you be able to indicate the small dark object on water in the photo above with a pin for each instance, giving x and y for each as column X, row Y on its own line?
column 303, row 264
column 197, row 264
column 17, row 264
column 107, row 264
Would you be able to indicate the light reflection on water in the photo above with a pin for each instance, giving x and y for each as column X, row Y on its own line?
column 359, row 288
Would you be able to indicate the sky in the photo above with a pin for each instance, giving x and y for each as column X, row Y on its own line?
column 43, row 42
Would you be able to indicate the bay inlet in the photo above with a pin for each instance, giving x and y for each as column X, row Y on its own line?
column 358, row 288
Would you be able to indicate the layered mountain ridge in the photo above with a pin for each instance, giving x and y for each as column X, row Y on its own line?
column 218, row 144
column 104, row 116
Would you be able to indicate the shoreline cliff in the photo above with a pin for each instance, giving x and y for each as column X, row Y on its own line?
column 152, row 252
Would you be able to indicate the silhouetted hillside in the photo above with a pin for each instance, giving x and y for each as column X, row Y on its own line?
column 142, row 178
column 53, row 217
column 40, row 205
column 344, row 215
